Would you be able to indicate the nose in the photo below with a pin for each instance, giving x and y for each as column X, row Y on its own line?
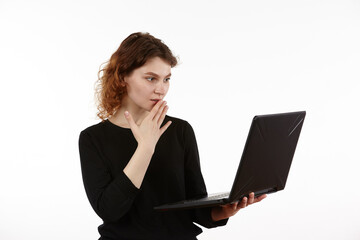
column 161, row 88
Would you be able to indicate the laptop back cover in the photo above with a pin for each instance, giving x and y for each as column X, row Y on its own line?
column 268, row 154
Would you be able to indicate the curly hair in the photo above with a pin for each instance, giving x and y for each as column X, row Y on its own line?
column 132, row 53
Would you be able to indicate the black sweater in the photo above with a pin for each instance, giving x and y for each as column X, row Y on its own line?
column 173, row 175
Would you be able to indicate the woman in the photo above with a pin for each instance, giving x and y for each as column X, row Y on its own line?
column 138, row 157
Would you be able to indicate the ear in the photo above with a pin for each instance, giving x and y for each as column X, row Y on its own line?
column 123, row 81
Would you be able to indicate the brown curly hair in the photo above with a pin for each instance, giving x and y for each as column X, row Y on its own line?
column 132, row 53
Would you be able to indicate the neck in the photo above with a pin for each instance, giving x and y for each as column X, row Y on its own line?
column 138, row 114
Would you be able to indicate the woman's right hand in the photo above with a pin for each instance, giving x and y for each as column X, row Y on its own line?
column 148, row 132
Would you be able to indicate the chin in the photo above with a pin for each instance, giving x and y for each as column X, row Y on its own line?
column 148, row 108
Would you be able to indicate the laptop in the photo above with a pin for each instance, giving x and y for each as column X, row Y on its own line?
column 264, row 164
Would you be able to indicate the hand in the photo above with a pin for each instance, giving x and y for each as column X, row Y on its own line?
column 229, row 210
column 149, row 131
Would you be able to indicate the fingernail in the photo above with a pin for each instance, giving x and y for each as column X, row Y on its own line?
column 126, row 113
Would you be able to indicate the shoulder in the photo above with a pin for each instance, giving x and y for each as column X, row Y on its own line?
column 96, row 131
column 94, row 128
column 180, row 127
column 178, row 123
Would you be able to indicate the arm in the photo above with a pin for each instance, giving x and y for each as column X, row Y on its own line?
column 110, row 197
column 147, row 135
column 194, row 182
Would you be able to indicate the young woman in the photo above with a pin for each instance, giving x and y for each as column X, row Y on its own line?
column 138, row 157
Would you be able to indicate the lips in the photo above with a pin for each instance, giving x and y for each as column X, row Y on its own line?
column 155, row 100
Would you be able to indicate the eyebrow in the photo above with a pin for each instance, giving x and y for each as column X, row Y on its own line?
column 154, row 74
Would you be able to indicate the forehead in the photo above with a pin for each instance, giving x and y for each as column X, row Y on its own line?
column 156, row 65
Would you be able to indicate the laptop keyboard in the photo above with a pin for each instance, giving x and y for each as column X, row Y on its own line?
column 218, row 196
column 211, row 197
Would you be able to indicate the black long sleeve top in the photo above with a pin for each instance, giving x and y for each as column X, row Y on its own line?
column 173, row 175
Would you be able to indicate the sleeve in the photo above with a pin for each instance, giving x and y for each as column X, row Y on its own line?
column 194, row 181
column 110, row 198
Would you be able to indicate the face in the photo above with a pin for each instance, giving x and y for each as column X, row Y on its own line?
column 148, row 84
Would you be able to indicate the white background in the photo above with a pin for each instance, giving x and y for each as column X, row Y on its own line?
column 238, row 59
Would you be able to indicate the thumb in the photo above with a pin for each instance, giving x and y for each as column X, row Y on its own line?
column 130, row 120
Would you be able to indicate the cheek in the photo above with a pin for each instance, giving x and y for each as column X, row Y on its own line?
column 146, row 89
column 142, row 91
column 167, row 88
column 136, row 88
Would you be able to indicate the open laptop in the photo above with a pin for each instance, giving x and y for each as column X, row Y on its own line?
column 265, row 162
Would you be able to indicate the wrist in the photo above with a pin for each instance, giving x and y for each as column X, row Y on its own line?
column 145, row 148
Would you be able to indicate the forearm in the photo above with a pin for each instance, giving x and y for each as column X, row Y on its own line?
column 115, row 200
column 136, row 168
column 217, row 214
column 203, row 216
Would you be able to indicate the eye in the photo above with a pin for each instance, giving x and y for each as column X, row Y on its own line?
column 166, row 79
column 150, row 79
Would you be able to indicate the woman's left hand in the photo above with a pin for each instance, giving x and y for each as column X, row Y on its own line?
column 229, row 210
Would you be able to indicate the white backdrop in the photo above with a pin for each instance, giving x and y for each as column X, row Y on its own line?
column 238, row 59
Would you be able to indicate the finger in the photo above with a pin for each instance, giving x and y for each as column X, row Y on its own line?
column 155, row 109
column 235, row 205
column 159, row 113
column 163, row 129
column 163, row 114
column 251, row 198
column 243, row 202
